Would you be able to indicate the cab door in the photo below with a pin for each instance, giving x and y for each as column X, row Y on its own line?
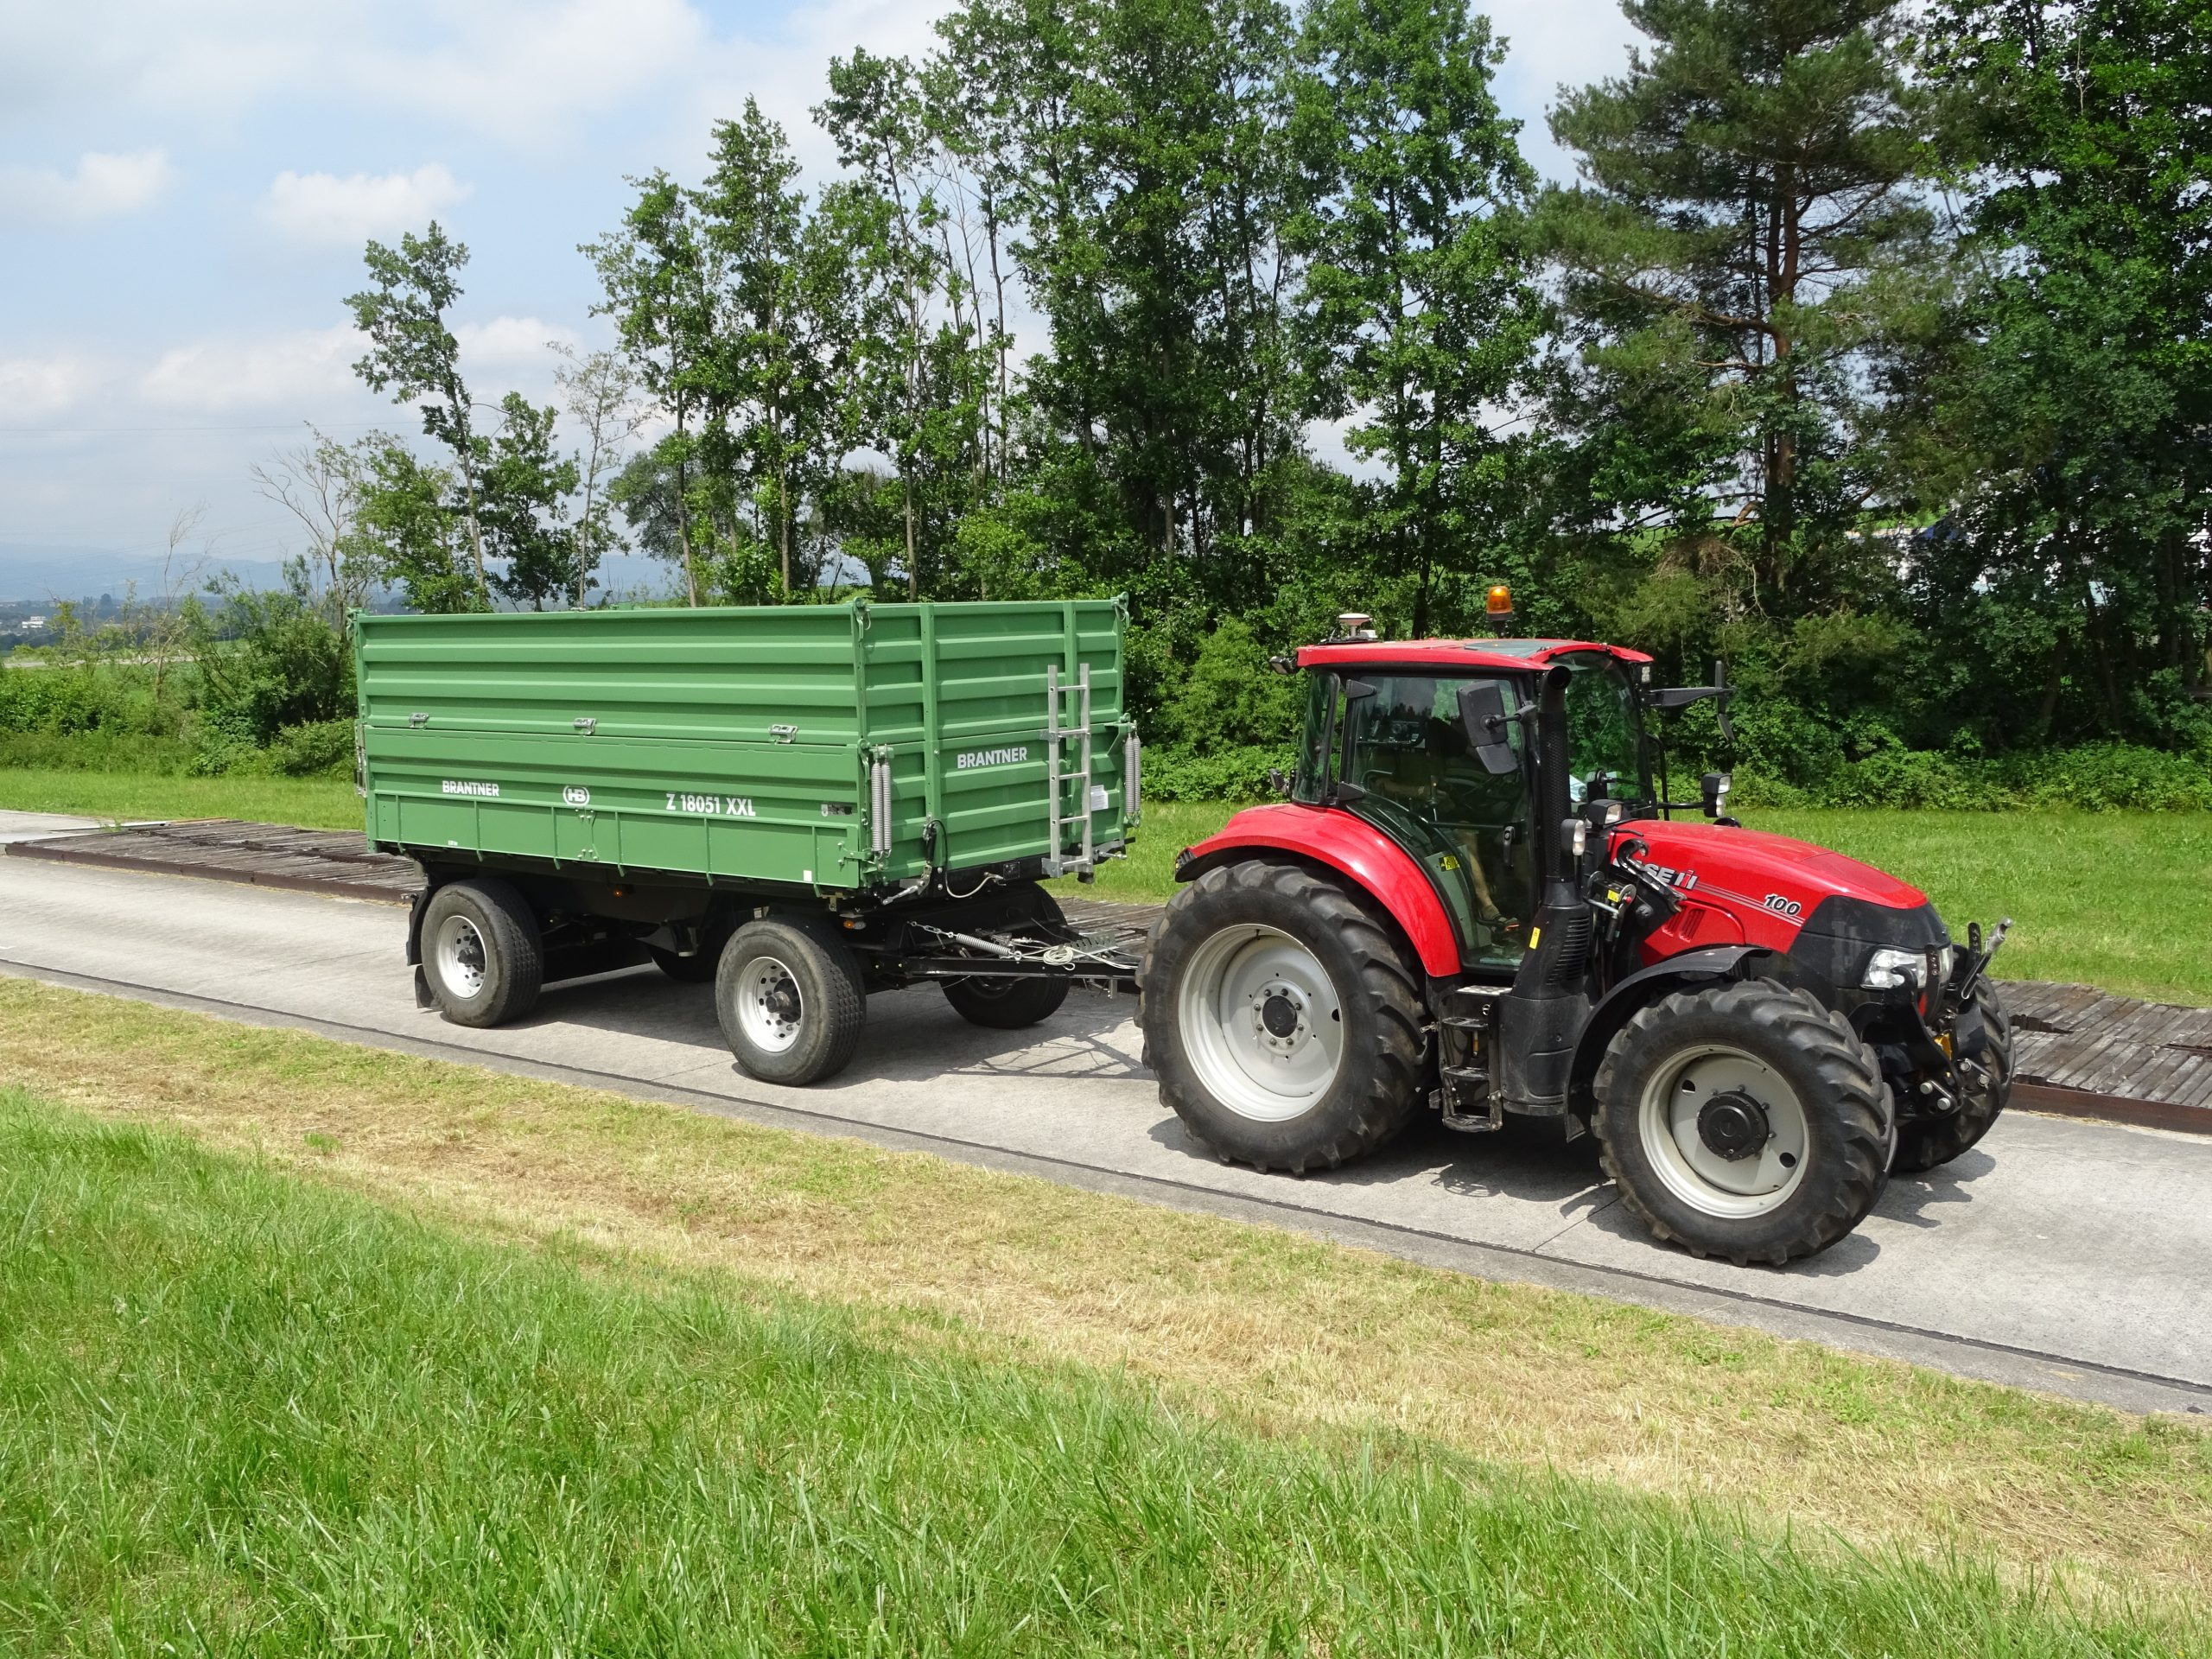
column 1407, row 750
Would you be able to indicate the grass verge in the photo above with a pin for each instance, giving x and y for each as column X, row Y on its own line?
column 311, row 803
column 2117, row 899
column 1266, row 1332
column 271, row 1416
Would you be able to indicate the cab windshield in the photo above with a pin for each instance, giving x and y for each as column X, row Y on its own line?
column 1605, row 756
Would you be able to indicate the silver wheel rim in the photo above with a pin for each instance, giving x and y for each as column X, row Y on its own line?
column 462, row 957
column 1262, row 1023
column 769, row 1007
column 1738, row 1188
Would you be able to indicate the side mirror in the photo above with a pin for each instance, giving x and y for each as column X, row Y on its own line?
column 1713, row 791
column 1279, row 781
column 1483, row 712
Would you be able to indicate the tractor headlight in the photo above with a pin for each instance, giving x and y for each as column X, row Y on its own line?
column 1945, row 959
column 1887, row 970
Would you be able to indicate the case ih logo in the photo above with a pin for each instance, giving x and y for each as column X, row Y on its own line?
column 975, row 758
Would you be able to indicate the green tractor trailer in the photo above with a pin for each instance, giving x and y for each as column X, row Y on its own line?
column 801, row 803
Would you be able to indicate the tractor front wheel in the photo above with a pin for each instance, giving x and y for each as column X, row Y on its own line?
column 1283, row 1020
column 1744, row 1121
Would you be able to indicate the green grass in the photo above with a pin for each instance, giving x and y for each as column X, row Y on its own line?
column 2119, row 900
column 311, row 803
column 243, row 1413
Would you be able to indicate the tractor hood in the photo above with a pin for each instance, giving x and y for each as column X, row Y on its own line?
column 1785, row 877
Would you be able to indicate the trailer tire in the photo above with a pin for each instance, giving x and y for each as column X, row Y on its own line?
column 1797, row 1147
column 791, row 1001
column 1332, row 997
column 1925, row 1143
column 482, row 954
column 1015, row 1002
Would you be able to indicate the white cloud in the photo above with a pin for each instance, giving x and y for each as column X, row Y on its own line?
column 102, row 187
column 509, row 340
column 325, row 210
column 33, row 386
column 292, row 374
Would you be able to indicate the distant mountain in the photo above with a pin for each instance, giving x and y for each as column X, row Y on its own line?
column 29, row 572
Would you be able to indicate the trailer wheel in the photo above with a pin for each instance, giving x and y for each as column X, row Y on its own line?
column 1015, row 1002
column 1284, row 1022
column 1924, row 1143
column 791, row 1001
column 1743, row 1120
column 481, row 952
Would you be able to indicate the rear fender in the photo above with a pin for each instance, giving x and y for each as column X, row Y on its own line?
column 1352, row 848
column 1642, row 989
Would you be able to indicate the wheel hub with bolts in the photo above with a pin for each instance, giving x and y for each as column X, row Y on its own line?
column 768, row 1004
column 460, row 956
column 1724, row 1131
column 1280, row 1010
column 1263, row 1023
column 1733, row 1124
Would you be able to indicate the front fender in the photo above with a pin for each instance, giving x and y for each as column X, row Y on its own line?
column 1353, row 847
column 1639, row 990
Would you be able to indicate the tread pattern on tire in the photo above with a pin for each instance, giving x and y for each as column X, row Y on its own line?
column 1929, row 1143
column 1388, row 1077
column 1021, row 1002
column 512, row 938
column 1854, row 1091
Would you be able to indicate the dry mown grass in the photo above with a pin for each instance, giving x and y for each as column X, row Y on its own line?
column 1266, row 1327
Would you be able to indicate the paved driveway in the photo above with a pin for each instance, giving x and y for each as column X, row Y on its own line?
column 2068, row 1256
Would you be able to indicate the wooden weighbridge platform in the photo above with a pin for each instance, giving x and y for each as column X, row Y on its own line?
column 2079, row 1051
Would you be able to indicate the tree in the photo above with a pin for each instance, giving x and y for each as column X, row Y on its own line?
column 2069, row 407
column 1749, row 214
column 526, row 484
column 657, row 274
column 599, row 391
column 320, row 483
column 1419, row 317
column 412, row 353
column 421, row 545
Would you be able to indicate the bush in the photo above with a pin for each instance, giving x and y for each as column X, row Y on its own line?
column 61, row 700
column 1239, row 774
column 312, row 748
column 2096, row 778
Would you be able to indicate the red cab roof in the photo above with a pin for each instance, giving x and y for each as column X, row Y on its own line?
column 1443, row 655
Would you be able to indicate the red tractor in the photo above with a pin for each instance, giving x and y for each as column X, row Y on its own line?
column 1475, row 901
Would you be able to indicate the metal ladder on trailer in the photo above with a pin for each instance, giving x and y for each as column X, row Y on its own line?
column 1056, row 736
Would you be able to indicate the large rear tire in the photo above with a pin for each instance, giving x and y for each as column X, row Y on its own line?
column 1744, row 1121
column 1015, row 1002
column 1924, row 1143
column 1285, row 1023
column 791, row 1001
column 482, row 954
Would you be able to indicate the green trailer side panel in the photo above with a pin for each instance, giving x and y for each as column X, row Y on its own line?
column 739, row 743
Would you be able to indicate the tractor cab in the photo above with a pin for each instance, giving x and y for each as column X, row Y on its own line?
column 1477, row 899
column 1431, row 744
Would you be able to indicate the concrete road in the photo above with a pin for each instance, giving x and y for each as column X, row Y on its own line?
column 2070, row 1257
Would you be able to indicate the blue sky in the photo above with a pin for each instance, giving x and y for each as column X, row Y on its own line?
column 184, row 185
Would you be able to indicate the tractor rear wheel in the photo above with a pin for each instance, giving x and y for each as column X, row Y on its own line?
column 1924, row 1143
column 1284, row 1022
column 1744, row 1121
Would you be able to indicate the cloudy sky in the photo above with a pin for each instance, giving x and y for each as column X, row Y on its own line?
column 184, row 185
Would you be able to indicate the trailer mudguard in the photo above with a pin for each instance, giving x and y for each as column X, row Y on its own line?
column 1350, row 845
column 1639, row 990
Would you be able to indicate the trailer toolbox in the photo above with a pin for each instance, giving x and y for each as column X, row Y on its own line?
column 845, row 746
